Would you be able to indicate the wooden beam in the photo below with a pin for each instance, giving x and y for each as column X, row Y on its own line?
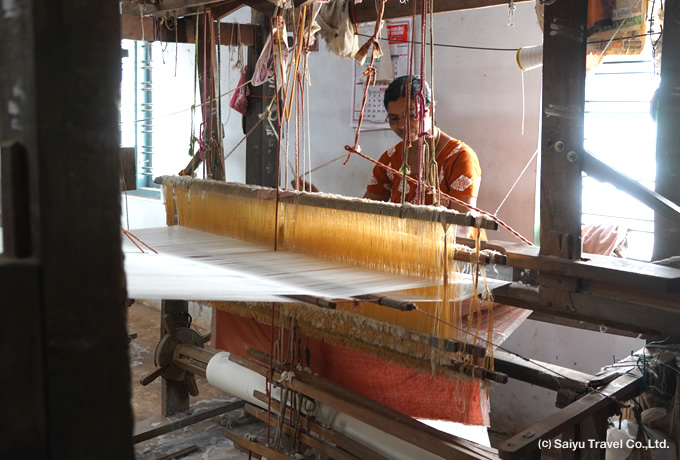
column 323, row 448
column 666, row 240
column 377, row 415
column 564, row 73
column 606, row 311
column 264, row 7
column 174, row 395
column 136, row 28
column 350, row 445
column 538, row 373
column 180, row 453
column 256, row 447
column 134, row 7
column 59, row 92
column 131, row 29
column 262, row 143
column 212, row 125
column 128, row 169
column 655, row 279
column 143, row 434
column 223, row 9
column 23, row 424
column 586, row 326
column 365, row 11
column 16, row 207
column 662, row 206
column 622, row 389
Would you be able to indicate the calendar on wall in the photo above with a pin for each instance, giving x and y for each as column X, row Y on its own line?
column 393, row 63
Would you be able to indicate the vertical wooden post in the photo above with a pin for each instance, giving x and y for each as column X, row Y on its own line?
column 16, row 221
column 262, row 143
column 667, row 234
column 564, row 71
column 58, row 100
column 214, row 164
column 174, row 395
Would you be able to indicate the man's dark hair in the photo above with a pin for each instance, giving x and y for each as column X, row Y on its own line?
column 397, row 89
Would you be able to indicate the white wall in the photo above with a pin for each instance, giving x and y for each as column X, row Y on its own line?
column 480, row 101
column 478, row 94
column 172, row 100
column 517, row 405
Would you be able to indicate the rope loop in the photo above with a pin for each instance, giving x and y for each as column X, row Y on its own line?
column 350, row 150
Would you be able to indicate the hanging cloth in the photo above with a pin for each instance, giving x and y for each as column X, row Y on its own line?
column 337, row 28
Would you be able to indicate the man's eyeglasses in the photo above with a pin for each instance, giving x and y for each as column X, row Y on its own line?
column 394, row 119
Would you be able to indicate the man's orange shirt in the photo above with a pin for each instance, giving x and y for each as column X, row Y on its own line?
column 459, row 174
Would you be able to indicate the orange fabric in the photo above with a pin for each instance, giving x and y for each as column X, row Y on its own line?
column 608, row 240
column 459, row 174
column 413, row 393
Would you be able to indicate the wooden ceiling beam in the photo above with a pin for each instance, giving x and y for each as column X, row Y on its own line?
column 131, row 29
column 365, row 11
column 265, row 7
column 226, row 8
column 149, row 8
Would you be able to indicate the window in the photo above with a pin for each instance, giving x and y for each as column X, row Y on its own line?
column 620, row 132
column 136, row 111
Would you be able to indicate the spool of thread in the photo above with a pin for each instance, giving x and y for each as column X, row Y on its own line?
column 530, row 57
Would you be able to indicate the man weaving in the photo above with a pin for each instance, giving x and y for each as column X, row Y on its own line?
column 458, row 169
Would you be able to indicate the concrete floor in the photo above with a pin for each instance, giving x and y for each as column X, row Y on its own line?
column 208, row 435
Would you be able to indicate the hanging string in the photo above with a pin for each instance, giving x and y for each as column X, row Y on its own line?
column 419, row 100
column 220, row 132
column 141, row 120
column 523, row 103
column 134, row 237
column 549, row 370
column 283, row 117
column 511, row 13
column 309, row 150
column 297, row 141
column 369, row 73
column 141, row 19
column 266, row 115
column 315, row 12
column 125, row 192
column 513, row 50
column 406, row 137
column 205, row 94
column 192, row 136
column 516, row 181
column 279, row 105
column 432, row 106
column 176, row 43
column 299, row 34
column 448, row 197
column 433, row 167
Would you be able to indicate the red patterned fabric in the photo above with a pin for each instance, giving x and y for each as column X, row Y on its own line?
column 413, row 393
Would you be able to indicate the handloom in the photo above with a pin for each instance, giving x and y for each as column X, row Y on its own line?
column 438, row 340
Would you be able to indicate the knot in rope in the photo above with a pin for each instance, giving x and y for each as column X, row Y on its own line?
column 350, row 150
column 287, row 377
column 371, row 74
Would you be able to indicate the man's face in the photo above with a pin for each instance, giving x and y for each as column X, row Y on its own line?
column 395, row 117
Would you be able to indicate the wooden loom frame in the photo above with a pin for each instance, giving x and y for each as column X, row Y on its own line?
column 573, row 290
column 568, row 289
column 650, row 297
